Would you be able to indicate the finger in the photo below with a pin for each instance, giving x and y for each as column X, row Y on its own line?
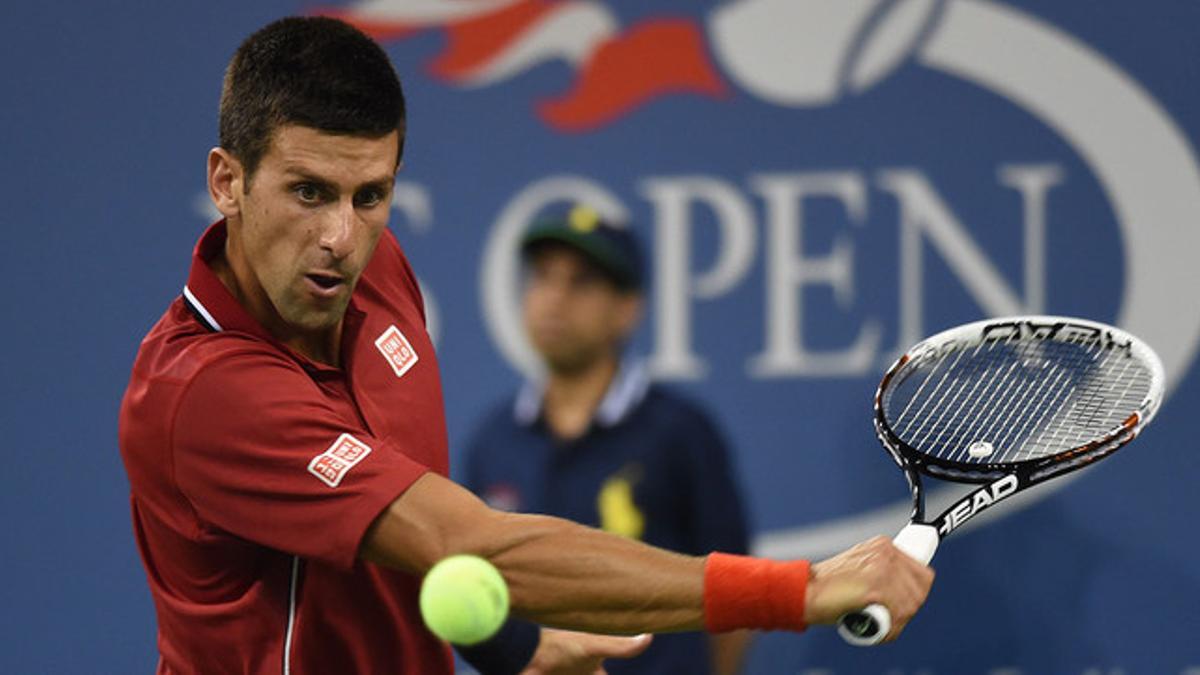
column 919, row 585
column 897, row 629
column 907, row 606
column 619, row 647
column 911, row 590
column 899, row 623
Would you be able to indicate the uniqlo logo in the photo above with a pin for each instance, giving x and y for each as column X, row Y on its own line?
column 396, row 349
column 332, row 465
column 349, row 450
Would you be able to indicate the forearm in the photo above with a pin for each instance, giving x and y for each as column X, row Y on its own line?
column 569, row 576
column 556, row 568
column 559, row 573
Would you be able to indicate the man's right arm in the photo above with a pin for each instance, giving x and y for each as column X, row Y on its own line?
column 560, row 574
column 570, row 576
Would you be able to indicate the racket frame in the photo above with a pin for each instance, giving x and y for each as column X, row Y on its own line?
column 998, row 480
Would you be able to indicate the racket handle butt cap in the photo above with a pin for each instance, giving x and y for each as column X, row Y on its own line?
column 868, row 626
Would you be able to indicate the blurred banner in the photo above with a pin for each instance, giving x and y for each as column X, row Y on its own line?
column 820, row 183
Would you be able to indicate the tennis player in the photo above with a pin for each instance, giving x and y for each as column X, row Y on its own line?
column 285, row 441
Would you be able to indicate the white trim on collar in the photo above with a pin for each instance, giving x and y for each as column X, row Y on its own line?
column 529, row 402
column 200, row 309
column 625, row 392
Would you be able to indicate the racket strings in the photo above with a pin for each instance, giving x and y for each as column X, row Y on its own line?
column 1008, row 405
column 1098, row 403
column 1021, row 398
column 919, row 416
column 997, row 394
column 1050, row 396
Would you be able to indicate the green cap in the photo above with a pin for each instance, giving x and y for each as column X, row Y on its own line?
column 610, row 246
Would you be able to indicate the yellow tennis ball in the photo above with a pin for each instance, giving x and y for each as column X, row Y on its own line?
column 464, row 600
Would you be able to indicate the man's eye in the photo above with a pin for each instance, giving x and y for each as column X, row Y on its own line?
column 369, row 198
column 307, row 193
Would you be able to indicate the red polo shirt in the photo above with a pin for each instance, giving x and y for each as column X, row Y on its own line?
column 255, row 473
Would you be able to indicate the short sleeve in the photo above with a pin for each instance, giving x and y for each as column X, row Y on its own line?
column 262, row 453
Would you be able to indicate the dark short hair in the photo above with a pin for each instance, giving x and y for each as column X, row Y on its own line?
column 315, row 72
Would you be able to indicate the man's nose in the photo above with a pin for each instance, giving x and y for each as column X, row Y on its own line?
column 338, row 230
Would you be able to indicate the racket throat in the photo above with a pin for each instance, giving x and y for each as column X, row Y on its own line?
column 968, row 507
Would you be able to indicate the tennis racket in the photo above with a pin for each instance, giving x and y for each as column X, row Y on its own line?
column 1004, row 403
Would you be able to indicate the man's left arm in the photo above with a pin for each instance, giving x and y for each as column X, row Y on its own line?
column 565, row 652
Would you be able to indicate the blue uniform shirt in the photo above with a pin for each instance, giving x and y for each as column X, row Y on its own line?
column 652, row 466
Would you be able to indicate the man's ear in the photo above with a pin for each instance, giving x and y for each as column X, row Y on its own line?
column 225, row 182
column 630, row 313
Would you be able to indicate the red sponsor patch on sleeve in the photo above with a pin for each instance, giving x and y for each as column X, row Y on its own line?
column 332, row 465
column 396, row 349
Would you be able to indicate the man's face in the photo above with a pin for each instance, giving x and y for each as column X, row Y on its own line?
column 574, row 315
column 309, row 221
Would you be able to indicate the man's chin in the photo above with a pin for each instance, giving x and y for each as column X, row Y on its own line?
column 316, row 321
column 568, row 364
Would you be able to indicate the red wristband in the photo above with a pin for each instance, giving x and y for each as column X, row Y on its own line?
column 744, row 592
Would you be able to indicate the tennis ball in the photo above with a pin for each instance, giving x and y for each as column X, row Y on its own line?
column 464, row 600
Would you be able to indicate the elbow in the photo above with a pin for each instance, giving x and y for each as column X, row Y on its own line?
column 433, row 519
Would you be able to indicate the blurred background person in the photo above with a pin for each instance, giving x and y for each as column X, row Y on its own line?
column 595, row 440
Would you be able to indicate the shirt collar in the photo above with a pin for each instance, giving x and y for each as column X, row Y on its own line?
column 219, row 310
column 208, row 298
column 627, row 389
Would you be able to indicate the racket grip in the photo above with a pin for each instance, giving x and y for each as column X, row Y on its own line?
column 869, row 625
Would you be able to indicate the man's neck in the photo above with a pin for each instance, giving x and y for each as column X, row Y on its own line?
column 324, row 348
column 571, row 399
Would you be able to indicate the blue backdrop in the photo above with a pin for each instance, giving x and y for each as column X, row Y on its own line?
column 820, row 183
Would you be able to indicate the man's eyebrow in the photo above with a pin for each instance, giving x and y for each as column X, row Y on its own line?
column 302, row 174
column 380, row 183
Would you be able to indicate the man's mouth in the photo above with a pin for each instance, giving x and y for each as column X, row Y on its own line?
column 325, row 284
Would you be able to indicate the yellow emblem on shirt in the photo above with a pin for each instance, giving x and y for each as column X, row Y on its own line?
column 618, row 512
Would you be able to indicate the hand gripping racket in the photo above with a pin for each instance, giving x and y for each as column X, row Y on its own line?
column 1004, row 403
